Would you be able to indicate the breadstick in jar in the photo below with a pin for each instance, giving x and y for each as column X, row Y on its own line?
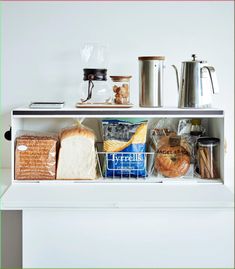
column 207, row 166
column 210, row 161
column 202, row 167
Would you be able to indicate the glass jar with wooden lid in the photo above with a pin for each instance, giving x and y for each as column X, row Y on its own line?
column 121, row 89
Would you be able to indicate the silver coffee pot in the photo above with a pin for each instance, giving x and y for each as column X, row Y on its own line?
column 197, row 84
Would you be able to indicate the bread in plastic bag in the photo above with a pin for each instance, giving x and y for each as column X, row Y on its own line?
column 173, row 152
column 77, row 155
column 35, row 156
column 172, row 159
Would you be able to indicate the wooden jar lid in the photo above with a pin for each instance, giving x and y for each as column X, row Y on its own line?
column 146, row 58
column 120, row 78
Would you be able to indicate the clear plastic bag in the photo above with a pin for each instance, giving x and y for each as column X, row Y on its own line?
column 77, row 155
column 35, row 156
column 172, row 159
column 162, row 131
column 173, row 152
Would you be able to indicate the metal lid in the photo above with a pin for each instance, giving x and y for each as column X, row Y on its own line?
column 194, row 60
column 120, row 78
column 146, row 58
column 208, row 141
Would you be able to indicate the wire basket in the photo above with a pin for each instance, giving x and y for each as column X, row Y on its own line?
column 126, row 165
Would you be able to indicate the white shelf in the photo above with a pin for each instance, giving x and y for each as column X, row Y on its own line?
column 104, row 112
column 139, row 196
column 149, row 180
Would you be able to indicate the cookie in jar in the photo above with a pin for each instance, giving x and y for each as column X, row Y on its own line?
column 121, row 89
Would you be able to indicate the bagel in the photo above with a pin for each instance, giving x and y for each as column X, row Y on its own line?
column 172, row 161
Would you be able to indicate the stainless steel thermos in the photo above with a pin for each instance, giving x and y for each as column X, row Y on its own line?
column 151, row 81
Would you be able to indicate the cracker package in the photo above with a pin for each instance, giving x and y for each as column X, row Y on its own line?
column 125, row 142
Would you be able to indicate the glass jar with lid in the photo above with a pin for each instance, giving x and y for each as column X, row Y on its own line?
column 95, row 88
column 121, row 89
column 208, row 157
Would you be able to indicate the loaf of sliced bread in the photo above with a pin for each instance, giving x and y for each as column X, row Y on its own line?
column 35, row 157
column 77, row 155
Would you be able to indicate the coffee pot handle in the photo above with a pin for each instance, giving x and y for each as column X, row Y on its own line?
column 213, row 78
column 177, row 77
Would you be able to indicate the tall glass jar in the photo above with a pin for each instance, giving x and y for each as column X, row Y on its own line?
column 121, row 89
column 208, row 157
column 95, row 88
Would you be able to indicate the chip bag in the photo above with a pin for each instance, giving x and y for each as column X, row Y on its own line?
column 125, row 143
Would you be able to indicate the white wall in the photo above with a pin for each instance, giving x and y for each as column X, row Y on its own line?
column 41, row 42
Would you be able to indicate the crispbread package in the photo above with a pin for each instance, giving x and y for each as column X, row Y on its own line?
column 125, row 142
column 35, row 157
column 77, row 155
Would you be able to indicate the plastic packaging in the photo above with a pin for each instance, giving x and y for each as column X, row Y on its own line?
column 173, row 152
column 184, row 127
column 125, row 144
column 161, row 132
column 77, row 155
column 172, row 159
column 35, row 156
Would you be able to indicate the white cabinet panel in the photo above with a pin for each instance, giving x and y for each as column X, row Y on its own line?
column 108, row 238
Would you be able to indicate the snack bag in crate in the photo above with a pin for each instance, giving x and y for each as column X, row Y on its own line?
column 125, row 144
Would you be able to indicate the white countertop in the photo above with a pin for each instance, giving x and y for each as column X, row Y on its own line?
column 113, row 195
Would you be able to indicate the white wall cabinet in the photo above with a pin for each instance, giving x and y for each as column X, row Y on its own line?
column 175, row 223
